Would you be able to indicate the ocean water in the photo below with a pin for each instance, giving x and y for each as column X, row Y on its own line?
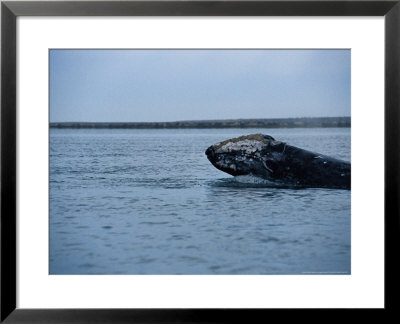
column 126, row 201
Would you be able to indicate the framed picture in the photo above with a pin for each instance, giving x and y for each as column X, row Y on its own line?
column 122, row 124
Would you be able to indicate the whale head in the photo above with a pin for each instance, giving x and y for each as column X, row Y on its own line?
column 244, row 155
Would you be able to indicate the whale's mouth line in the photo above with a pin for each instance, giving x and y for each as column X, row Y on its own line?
column 231, row 171
column 229, row 165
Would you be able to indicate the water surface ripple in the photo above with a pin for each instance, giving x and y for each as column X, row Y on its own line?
column 127, row 201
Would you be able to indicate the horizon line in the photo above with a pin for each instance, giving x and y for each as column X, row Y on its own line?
column 306, row 122
column 196, row 120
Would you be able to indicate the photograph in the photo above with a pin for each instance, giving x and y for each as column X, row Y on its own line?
column 199, row 161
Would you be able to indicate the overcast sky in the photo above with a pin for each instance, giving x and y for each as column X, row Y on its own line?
column 171, row 85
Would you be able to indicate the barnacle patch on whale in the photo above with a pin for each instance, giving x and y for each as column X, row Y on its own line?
column 252, row 137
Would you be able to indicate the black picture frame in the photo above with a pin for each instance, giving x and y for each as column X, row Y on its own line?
column 10, row 10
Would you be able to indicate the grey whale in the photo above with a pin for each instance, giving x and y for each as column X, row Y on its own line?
column 278, row 162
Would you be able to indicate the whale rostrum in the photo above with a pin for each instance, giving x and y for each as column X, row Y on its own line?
column 278, row 162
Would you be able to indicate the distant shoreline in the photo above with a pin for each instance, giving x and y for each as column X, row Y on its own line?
column 311, row 122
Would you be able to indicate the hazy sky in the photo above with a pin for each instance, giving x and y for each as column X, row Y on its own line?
column 170, row 85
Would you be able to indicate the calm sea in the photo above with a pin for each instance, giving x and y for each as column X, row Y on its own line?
column 126, row 201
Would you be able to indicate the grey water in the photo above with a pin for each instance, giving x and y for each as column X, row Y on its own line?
column 130, row 201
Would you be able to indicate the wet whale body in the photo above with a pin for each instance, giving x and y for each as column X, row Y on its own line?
column 279, row 163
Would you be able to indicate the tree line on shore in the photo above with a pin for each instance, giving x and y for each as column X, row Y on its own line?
column 311, row 122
